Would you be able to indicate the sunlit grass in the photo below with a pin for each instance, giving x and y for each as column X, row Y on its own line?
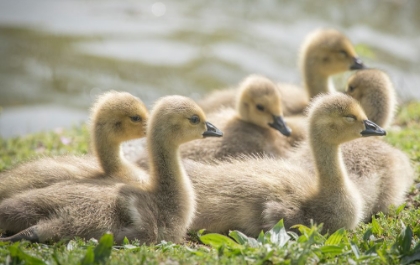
column 388, row 239
column 57, row 142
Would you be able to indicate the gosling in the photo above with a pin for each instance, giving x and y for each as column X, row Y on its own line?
column 91, row 207
column 375, row 93
column 115, row 117
column 253, row 194
column 256, row 127
column 324, row 52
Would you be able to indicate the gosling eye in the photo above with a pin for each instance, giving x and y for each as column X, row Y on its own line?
column 350, row 89
column 136, row 118
column 260, row 107
column 194, row 119
column 350, row 118
column 343, row 53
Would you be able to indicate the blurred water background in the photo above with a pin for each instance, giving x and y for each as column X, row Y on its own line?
column 56, row 56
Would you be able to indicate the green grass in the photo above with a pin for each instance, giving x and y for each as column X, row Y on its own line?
column 57, row 142
column 388, row 239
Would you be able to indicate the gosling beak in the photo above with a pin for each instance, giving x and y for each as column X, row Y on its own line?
column 212, row 131
column 357, row 64
column 372, row 129
column 280, row 125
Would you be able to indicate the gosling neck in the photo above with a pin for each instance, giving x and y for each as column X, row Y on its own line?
column 164, row 163
column 379, row 108
column 173, row 189
column 336, row 191
column 329, row 164
column 108, row 152
column 314, row 81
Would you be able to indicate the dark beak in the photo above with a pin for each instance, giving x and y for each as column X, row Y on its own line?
column 357, row 64
column 280, row 125
column 372, row 129
column 212, row 131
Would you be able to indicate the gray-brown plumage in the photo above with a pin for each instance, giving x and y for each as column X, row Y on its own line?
column 325, row 52
column 382, row 173
column 252, row 194
column 256, row 126
column 115, row 117
column 376, row 94
column 299, row 126
column 90, row 207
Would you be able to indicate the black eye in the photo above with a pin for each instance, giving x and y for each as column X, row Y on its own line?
column 136, row 118
column 260, row 107
column 350, row 88
column 194, row 119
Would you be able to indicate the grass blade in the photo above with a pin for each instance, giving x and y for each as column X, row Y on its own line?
column 261, row 238
column 333, row 250
column 278, row 234
column 244, row 239
column 336, row 237
column 217, row 240
column 239, row 237
column 103, row 250
column 410, row 259
column 405, row 241
column 18, row 256
column 376, row 228
column 355, row 250
column 89, row 257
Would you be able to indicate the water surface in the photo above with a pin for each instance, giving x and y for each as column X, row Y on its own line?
column 57, row 56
